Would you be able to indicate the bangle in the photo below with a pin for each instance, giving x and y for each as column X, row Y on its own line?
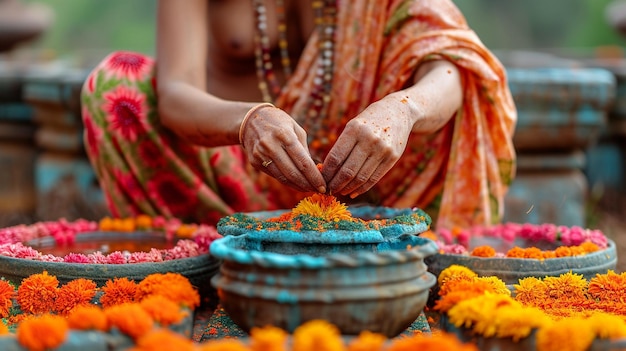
column 247, row 116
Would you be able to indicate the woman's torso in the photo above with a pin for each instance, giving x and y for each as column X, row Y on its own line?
column 231, row 68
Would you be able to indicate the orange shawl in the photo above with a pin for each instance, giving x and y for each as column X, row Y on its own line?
column 460, row 174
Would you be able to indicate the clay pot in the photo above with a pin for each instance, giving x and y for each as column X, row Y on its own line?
column 382, row 288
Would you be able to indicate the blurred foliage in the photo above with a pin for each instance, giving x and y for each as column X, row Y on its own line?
column 96, row 26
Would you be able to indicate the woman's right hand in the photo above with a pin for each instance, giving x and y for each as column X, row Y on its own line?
column 277, row 145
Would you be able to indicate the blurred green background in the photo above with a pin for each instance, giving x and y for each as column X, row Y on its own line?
column 94, row 27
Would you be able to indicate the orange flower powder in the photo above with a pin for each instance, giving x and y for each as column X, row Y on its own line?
column 118, row 291
column 42, row 333
column 74, row 293
column 37, row 293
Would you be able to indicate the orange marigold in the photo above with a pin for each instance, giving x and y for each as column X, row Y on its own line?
column 143, row 221
column 173, row 286
column 438, row 341
column 589, row 247
column 4, row 329
column 484, row 251
column 7, row 293
column 223, row 345
column 163, row 340
column 608, row 287
column 163, row 310
column 87, row 317
column 563, row 251
column 325, row 207
column 37, row 293
column 533, row 252
column 74, row 293
column 317, row 335
column 41, row 333
column 118, row 291
column 130, row 319
column 367, row 341
column 268, row 338
column 516, row 252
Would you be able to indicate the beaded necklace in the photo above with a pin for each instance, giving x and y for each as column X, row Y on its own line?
column 325, row 12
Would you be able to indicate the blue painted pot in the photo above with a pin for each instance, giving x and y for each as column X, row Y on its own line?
column 382, row 288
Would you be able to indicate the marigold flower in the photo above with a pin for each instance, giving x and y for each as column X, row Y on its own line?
column 531, row 291
column 325, row 207
column 483, row 251
column 173, row 286
column 143, row 221
column 87, row 317
column 479, row 312
column 607, row 326
column 36, row 293
column 569, row 331
column 163, row 340
column 516, row 252
column 518, row 322
column 41, row 333
column 563, row 251
column 130, row 319
column 106, row 224
column 533, row 253
column 568, row 285
column 437, row 341
column 4, row 329
column 7, row 293
column 455, row 271
column 223, row 345
column 589, row 247
column 268, row 338
column 462, row 290
column 317, row 335
column 367, row 341
column 163, row 310
column 76, row 292
column 608, row 287
column 497, row 284
column 118, row 291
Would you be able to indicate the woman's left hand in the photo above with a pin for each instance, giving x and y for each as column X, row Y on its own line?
column 369, row 146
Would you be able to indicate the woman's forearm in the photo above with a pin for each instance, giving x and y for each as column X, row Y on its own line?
column 434, row 98
column 198, row 117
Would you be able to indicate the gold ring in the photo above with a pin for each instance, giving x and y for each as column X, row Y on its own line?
column 267, row 163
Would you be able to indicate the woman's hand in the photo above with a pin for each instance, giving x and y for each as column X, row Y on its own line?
column 369, row 146
column 276, row 145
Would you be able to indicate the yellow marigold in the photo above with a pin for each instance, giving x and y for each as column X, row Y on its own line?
column 483, row 251
column 518, row 322
column 173, row 286
column 163, row 310
column 367, row 341
column 454, row 272
column 530, row 291
column 317, row 335
column 4, row 329
column 118, row 291
column 608, row 287
column 268, row 338
column 589, row 247
column 568, row 285
column 87, row 317
column 565, row 334
column 325, row 207
column 607, row 326
column 74, row 293
column 461, row 290
column 130, row 319
column 163, row 340
column 36, row 293
column 436, row 341
column 7, row 293
column 497, row 284
column 479, row 312
column 223, row 345
column 41, row 333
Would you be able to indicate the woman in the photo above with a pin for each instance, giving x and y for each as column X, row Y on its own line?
column 389, row 102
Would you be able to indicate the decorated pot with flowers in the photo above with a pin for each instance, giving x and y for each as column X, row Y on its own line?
column 565, row 312
column 110, row 248
column 319, row 261
column 513, row 251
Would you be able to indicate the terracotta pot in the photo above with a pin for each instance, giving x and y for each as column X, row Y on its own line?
column 382, row 288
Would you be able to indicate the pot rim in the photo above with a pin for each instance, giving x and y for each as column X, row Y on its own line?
column 416, row 248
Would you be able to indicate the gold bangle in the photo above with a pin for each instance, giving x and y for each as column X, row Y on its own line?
column 247, row 116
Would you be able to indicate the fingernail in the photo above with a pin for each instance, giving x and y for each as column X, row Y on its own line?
column 321, row 189
column 353, row 195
